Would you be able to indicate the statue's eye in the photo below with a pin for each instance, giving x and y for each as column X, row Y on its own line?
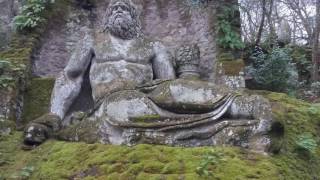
column 121, row 7
column 125, row 8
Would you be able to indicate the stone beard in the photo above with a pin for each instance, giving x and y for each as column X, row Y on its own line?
column 122, row 20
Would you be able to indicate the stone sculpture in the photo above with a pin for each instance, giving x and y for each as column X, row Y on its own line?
column 138, row 98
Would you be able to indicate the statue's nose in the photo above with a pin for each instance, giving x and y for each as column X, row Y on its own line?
column 119, row 9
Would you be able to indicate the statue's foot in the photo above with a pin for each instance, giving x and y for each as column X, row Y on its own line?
column 35, row 134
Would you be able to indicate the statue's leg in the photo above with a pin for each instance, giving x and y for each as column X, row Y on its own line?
column 119, row 113
column 125, row 106
column 85, row 130
column 258, row 108
column 252, row 107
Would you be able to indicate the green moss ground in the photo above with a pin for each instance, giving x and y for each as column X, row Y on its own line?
column 62, row 160
column 65, row 160
column 298, row 118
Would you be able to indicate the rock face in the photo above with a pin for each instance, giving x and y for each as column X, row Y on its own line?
column 173, row 22
column 8, row 9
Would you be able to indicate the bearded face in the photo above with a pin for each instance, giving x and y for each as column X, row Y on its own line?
column 122, row 20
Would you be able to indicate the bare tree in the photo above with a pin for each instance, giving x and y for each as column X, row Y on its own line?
column 298, row 13
column 264, row 11
column 315, row 45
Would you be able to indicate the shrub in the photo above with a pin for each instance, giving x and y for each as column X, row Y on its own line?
column 273, row 71
column 228, row 37
column 302, row 57
column 31, row 14
column 315, row 88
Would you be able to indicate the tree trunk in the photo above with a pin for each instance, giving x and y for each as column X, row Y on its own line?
column 270, row 22
column 315, row 46
column 264, row 10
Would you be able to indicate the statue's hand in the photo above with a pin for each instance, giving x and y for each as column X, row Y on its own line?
column 42, row 128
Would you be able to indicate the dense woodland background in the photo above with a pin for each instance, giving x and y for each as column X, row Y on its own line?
column 279, row 34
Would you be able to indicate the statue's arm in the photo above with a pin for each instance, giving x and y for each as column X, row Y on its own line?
column 162, row 63
column 68, row 84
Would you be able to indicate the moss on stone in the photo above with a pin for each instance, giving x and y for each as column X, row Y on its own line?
column 146, row 118
column 225, row 56
column 232, row 68
column 37, row 98
column 84, row 131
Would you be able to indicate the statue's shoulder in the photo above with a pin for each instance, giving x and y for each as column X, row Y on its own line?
column 152, row 43
column 100, row 36
column 143, row 41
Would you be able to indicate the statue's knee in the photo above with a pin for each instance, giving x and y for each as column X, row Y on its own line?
column 124, row 105
column 241, row 108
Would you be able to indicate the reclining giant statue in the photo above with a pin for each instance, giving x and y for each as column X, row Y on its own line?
column 141, row 97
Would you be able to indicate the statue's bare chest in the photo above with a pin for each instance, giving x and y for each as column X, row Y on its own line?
column 129, row 51
column 115, row 62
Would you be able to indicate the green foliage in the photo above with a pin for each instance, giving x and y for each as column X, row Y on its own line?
column 315, row 88
column 9, row 73
column 4, row 65
column 5, row 78
column 209, row 160
column 306, row 142
column 301, row 56
column 273, row 71
column 228, row 37
column 31, row 15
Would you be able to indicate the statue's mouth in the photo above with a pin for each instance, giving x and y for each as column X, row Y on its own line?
column 118, row 14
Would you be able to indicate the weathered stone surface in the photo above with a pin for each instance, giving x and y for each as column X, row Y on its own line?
column 8, row 9
column 138, row 100
column 60, row 40
column 230, row 72
column 173, row 22
column 191, row 96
